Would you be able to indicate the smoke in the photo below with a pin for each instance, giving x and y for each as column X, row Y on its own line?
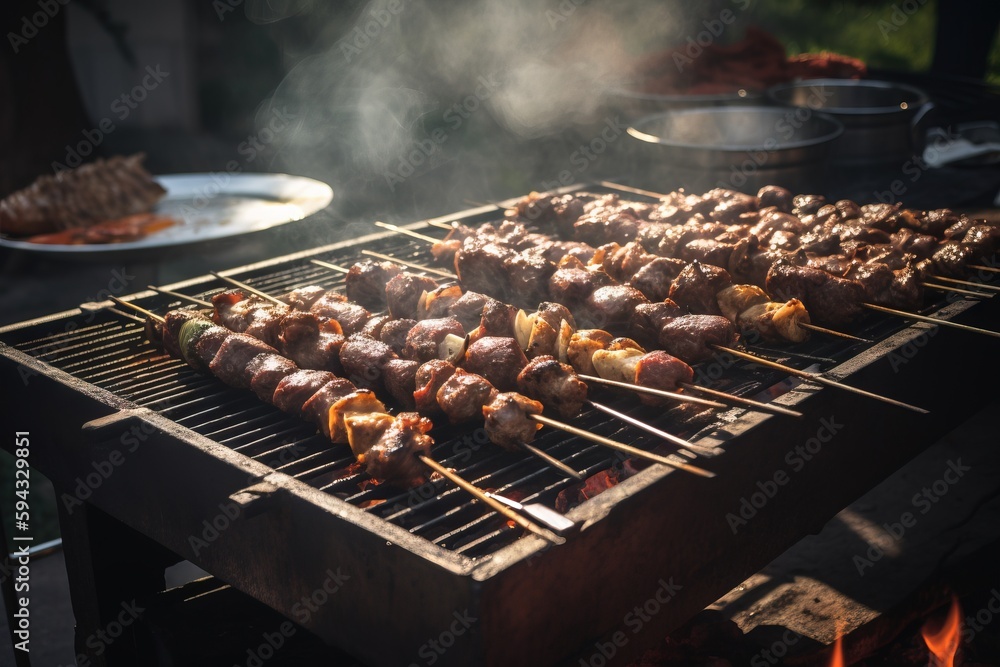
column 411, row 105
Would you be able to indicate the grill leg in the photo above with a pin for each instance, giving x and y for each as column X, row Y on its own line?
column 111, row 570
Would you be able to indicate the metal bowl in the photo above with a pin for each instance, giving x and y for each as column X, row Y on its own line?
column 742, row 148
column 882, row 119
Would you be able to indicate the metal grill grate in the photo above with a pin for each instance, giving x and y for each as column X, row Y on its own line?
column 109, row 350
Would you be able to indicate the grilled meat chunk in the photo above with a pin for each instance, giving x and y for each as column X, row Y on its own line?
column 553, row 383
column 394, row 332
column 655, row 277
column 317, row 407
column 697, row 286
column 424, row 339
column 104, row 189
column 498, row 359
column 507, row 422
column 389, row 448
column 468, row 309
column 462, row 396
column 363, row 358
column 428, row 380
column 611, row 307
column 266, row 371
column 400, row 379
column 660, row 370
column 830, row 300
column 690, row 336
column 366, row 280
column 350, row 316
column 296, row 388
column 232, row 362
column 481, row 267
column 403, row 292
column 303, row 339
column 304, row 297
column 572, row 282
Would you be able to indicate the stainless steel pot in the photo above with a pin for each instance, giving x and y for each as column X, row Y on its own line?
column 883, row 120
column 741, row 148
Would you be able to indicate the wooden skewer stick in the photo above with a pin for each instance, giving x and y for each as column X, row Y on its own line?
column 635, row 191
column 980, row 267
column 552, row 461
column 757, row 405
column 622, row 447
column 412, row 265
column 249, row 288
column 481, row 495
column 833, row 332
column 957, row 290
column 932, row 320
column 139, row 309
column 183, row 297
column 331, row 266
column 669, row 437
column 407, row 232
column 441, row 225
column 969, row 283
column 662, row 393
column 814, row 377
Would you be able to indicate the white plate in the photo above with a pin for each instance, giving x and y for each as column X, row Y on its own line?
column 209, row 206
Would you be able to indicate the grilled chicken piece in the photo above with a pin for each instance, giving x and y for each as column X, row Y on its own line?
column 555, row 384
column 582, row 346
column 498, row 359
column 366, row 280
column 388, row 447
column 507, row 422
column 463, row 395
column 296, row 388
column 358, row 402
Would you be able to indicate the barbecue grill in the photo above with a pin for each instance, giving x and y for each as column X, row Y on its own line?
column 430, row 576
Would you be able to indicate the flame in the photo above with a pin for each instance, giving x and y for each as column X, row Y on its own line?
column 837, row 656
column 943, row 641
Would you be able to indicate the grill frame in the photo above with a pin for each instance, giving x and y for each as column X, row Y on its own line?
column 542, row 596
